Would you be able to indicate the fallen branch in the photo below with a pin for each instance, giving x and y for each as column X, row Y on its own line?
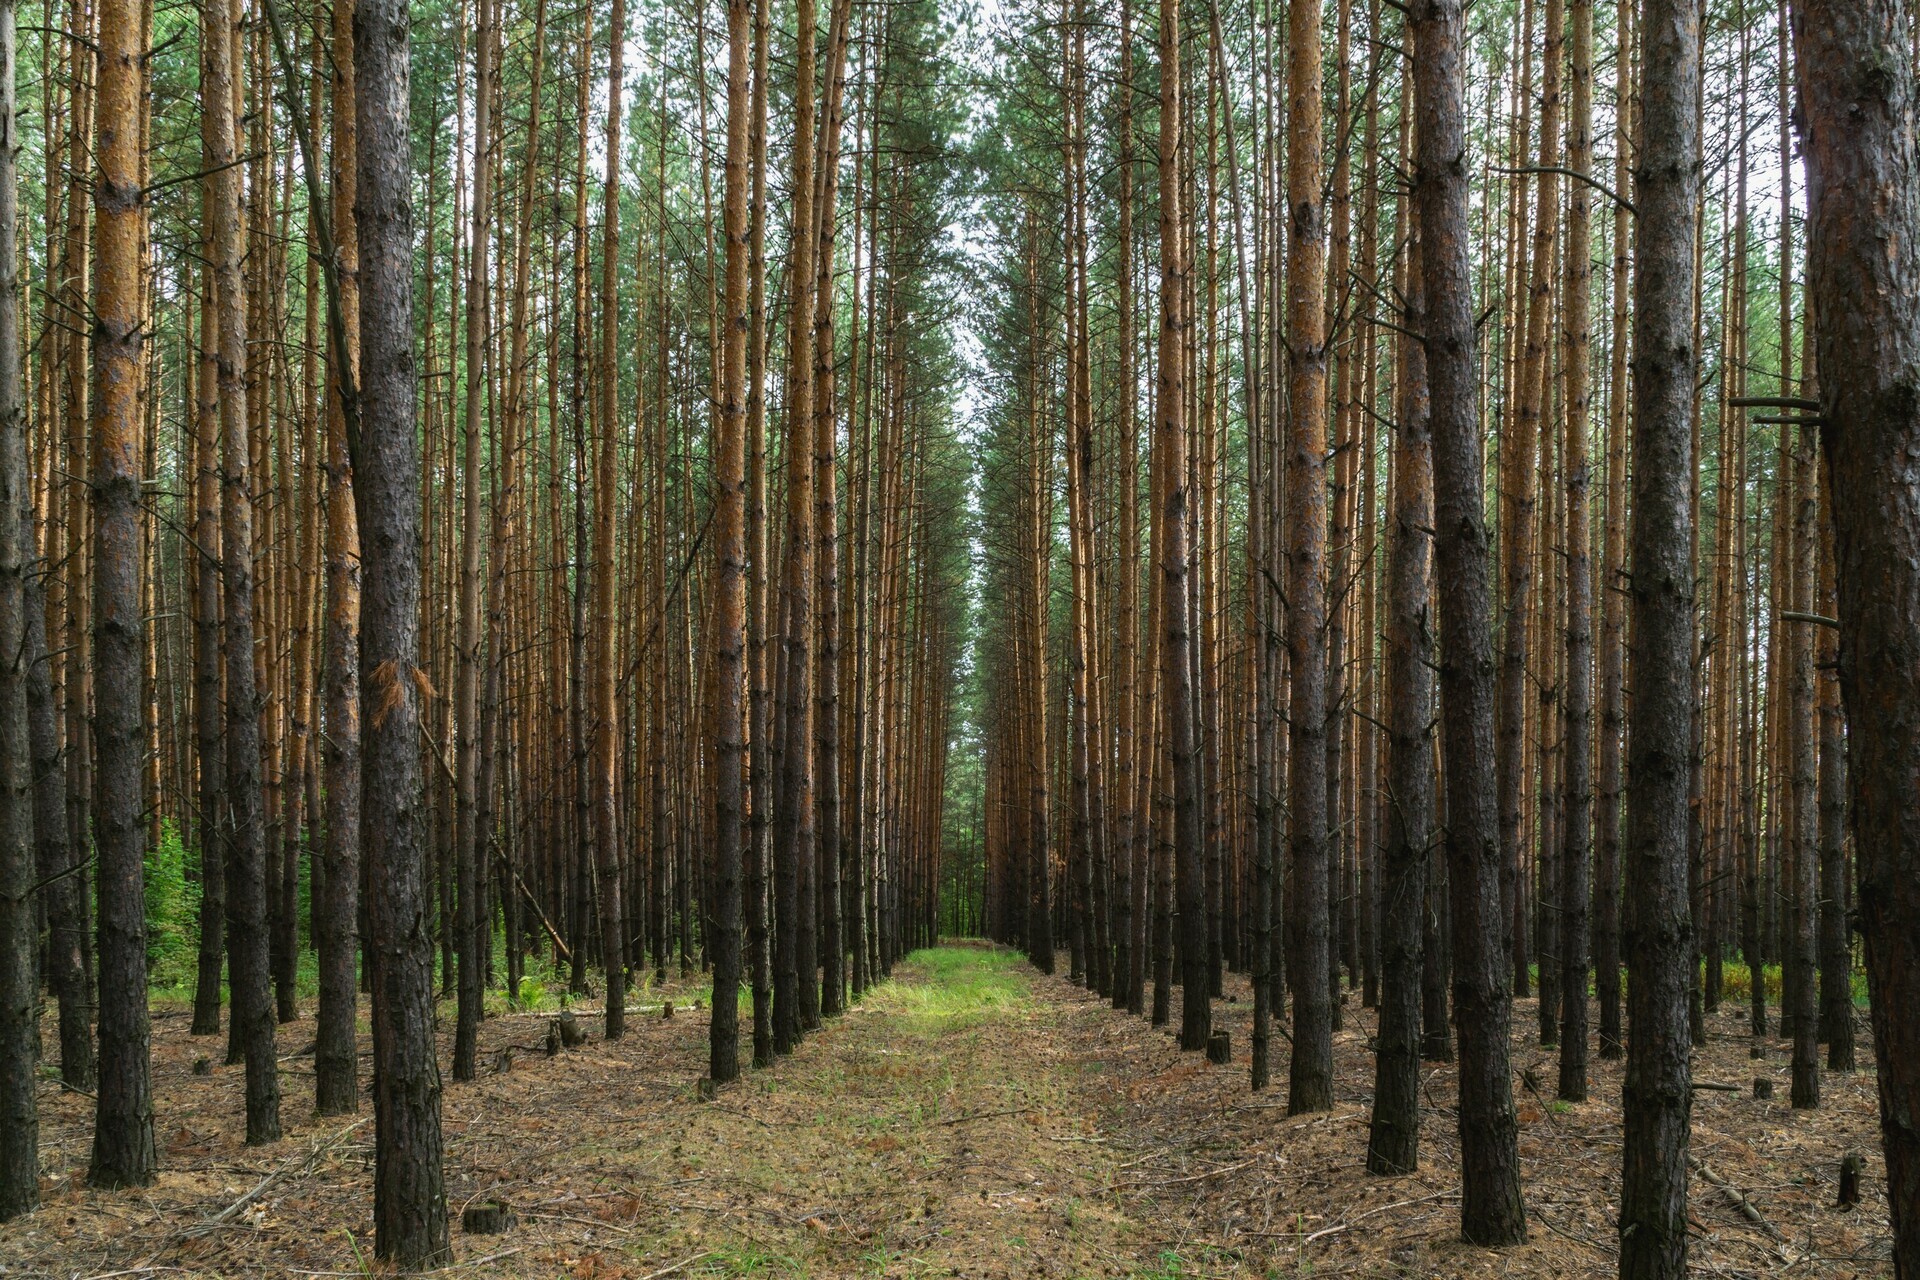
column 1192, row 1177
column 987, row 1115
column 684, row 1262
column 1337, row 1228
column 1738, row 1199
column 312, row 1158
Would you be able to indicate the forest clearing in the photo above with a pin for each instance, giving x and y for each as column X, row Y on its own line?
column 969, row 1117
column 1358, row 559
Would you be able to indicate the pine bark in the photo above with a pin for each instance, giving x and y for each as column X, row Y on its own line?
column 601, row 656
column 729, row 635
column 469, row 860
column 1310, row 1073
column 1491, row 1209
column 1859, row 128
column 248, row 906
column 1576, row 694
column 409, row 1204
column 123, row 1135
column 1393, row 1144
column 19, row 930
column 1658, row 935
column 1176, row 621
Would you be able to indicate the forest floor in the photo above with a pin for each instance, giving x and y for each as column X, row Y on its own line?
column 968, row 1118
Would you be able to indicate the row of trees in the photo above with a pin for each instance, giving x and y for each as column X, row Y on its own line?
column 1490, row 561
column 449, row 485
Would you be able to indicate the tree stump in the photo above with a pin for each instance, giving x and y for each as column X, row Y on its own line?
column 1220, row 1048
column 1852, row 1165
column 666, row 1012
column 488, row 1218
column 1763, row 1088
column 572, row 1034
column 553, row 1039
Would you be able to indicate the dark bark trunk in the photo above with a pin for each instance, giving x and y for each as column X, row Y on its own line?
column 335, row 1054
column 1491, row 1208
column 1310, row 962
column 19, row 929
column 729, row 640
column 62, row 881
column 123, row 1136
column 1576, row 701
column 1836, row 934
column 209, row 741
column 1393, row 1145
column 1858, row 111
column 1658, row 934
column 248, row 907
column 409, row 1206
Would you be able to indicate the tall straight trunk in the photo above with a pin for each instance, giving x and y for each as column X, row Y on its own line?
column 335, row 1055
column 831, row 993
column 1176, row 655
column 1804, row 853
column 469, row 863
column 793, row 972
column 1130, row 953
column 1521, row 444
column 409, row 1196
column 248, row 908
column 729, row 633
column 19, row 930
column 123, row 1136
column 1613, row 648
column 1310, row 1074
column 501, row 536
column 760, row 677
column 1393, row 1143
column 62, row 883
column 209, row 738
column 1576, row 690
column 1859, row 122
column 1038, row 549
column 601, row 656
column 1836, row 934
column 1657, row 1095
column 1491, row 1211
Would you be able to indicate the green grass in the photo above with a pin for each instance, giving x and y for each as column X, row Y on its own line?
column 964, row 987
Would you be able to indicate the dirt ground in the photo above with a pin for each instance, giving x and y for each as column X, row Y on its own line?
column 970, row 1118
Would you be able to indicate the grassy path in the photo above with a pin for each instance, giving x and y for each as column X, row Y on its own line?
column 968, row 1118
column 937, row 1129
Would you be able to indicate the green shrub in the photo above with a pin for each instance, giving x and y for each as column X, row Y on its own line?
column 173, row 910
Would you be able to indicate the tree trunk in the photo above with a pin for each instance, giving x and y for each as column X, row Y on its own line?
column 1858, row 114
column 336, row 1055
column 729, row 633
column 1393, row 1144
column 1491, row 1209
column 1310, row 1075
column 793, row 972
column 469, row 860
column 248, row 904
column 19, row 930
column 1176, row 657
column 123, row 1136
column 409, row 1203
column 601, row 655
column 1576, row 697
column 1659, row 948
